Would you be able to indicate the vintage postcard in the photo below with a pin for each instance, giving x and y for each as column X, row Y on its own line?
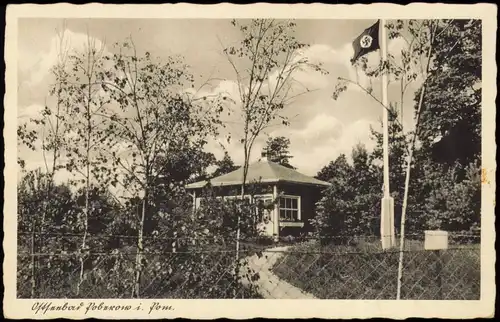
column 243, row 161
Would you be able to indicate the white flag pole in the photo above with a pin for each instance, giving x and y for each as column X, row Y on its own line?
column 387, row 204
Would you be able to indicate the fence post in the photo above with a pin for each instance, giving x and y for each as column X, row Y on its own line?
column 33, row 269
column 174, row 244
column 238, row 239
column 437, row 241
column 238, row 228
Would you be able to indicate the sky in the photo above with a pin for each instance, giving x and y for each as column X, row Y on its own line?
column 321, row 128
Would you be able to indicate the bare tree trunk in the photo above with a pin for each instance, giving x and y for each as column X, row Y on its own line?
column 238, row 228
column 33, row 262
column 238, row 237
column 88, row 117
column 408, row 169
column 48, row 186
column 405, row 198
column 140, row 249
column 238, row 223
column 85, row 226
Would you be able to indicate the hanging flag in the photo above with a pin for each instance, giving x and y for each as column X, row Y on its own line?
column 366, row 42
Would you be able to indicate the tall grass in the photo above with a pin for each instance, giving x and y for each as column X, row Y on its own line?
column 364, row 271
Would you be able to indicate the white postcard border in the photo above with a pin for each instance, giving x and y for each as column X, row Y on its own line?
column 239, row 309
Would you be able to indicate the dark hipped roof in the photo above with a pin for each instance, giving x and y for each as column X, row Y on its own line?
column 261, row 171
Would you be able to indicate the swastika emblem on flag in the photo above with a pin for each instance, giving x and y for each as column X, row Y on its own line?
column 366, row 41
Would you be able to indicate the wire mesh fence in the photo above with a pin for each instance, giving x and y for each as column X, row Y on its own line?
column 341, row 267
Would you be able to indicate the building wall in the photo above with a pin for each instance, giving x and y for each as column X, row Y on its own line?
column 309, row 196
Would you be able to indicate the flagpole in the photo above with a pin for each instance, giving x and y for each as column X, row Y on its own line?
column 387, row 204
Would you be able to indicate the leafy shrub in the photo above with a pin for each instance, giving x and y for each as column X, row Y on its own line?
column 185, row 254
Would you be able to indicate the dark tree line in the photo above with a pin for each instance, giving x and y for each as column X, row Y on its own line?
column 445, row 187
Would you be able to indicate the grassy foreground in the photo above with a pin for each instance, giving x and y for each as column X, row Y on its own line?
column 364, row 271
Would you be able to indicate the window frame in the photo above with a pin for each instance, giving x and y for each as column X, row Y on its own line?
column 299, row 208
column 256, row 198
column 237, row 197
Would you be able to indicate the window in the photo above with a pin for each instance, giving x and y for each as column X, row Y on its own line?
column 264, row 205
column 247, row 197
column 236, row 197
column 202, row 201
column 290, row 208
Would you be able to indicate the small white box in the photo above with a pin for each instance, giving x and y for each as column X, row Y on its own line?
column 436, row 239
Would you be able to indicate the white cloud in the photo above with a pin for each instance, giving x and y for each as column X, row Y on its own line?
column 395, row 46
column 235, row 149
column 310, row 80
column 343, row 55
column 329, row 150
column 24, row 113
column 225, row 93
column 38, row 64
column 306, row 77
column 223, row 88
column 318, row 53
column 320, row 125
column 323, row 139
column 346, row 52
column 357, row 132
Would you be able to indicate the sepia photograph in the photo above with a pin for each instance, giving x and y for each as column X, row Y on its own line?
column 249, row 158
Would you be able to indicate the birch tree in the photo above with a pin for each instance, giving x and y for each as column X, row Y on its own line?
column 152, row 120
column 410, row 70
column 43, row 133
column 265, row 63
column 86, row 136
column 417, row 64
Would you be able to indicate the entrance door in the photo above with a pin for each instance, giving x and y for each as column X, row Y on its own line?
column 265, row 224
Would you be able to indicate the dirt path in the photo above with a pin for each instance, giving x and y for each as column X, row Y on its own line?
column 271, row 286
